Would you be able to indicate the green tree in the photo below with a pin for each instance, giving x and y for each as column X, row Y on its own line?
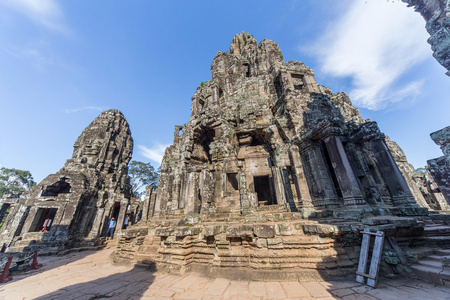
column 142, row 174
column 14, row 181
column 421, row 170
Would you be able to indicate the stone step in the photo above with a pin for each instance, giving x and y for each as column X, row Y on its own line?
column 443, row 252
column 441, row 218
column 430, row 274
column 437, row 230
column 271, row 208
column 420, row 252
column 438, row 257
column 80, row 249
column 432, row 263
column 438, row 241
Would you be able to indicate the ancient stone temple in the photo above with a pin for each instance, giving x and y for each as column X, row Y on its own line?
column 272, row 172
column 72, row 207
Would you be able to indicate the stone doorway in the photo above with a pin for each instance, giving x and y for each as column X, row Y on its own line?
column 116, row 210
column 263, row 191
column 41, row 215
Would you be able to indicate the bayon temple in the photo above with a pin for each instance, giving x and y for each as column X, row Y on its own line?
column 273, row 176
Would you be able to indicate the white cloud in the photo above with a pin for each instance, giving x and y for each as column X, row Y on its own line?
column 155, row 153
column 375, row 42
column 75, row 110
column 45, row 12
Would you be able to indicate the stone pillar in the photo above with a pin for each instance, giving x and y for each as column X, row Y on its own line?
column 165, row 203
column 394, row 179
column 304, row 197
column 151, row 209
column 206, row 190
column 287, row 189
column 97, row 227
column 279, row 186
column 191, row 194
column 249, row 202
column 121, row 217
column 320, row 184
column 146, row 205
column 347, row 181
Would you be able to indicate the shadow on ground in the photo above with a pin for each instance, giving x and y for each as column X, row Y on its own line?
column 126, row 285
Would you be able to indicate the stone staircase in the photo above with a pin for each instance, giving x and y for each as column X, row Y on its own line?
column 432, row 259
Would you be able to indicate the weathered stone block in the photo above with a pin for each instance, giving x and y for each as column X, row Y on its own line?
column 264, row 231
column 375, row 221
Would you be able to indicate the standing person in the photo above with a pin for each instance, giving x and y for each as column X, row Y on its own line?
column 111, row 226
column 125, row 222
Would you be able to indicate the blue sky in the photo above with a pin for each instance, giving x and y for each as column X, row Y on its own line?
column 64, row 62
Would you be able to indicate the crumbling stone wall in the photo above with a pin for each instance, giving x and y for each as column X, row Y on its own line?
column 440, row 167
column 79, row 199
column 437, row 15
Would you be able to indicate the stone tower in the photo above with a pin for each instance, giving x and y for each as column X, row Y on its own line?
column 263, row 133
column 79, row 200
column 272, row 172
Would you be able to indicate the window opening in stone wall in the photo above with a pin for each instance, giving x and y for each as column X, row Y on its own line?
column 297, row 80
column 247, row 68
column 202, row 141
column 262, row 189
column 232, row 182
column 201, row 103
column 332, row 173
column 180, row 132
column 258, row 140
column 220, row 93
column 44, row 216
column 59, row 187
column 199, row 201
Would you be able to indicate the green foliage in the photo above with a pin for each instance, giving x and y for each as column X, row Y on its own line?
column 203, row 83
column 14, row 181
column 142, row 174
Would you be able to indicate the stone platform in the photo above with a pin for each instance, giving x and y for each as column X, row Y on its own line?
column 90, row 275
column 276, row 246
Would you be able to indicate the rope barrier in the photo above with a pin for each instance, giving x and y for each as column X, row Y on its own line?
column 7, row 247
